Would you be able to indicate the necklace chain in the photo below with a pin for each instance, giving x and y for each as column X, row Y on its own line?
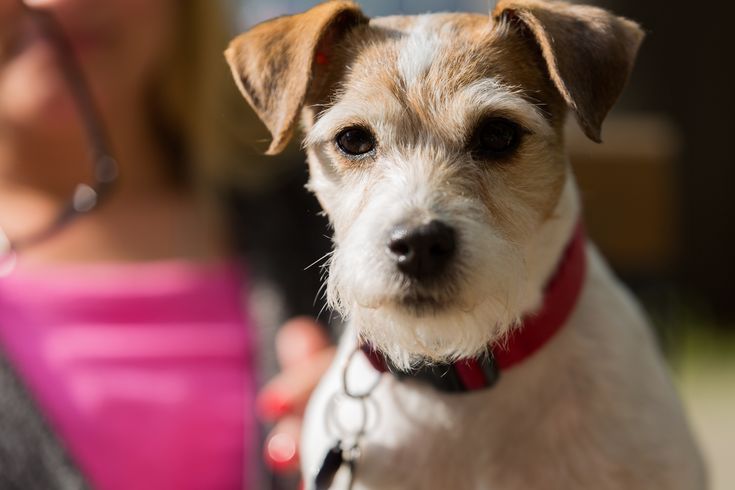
column 86, row 197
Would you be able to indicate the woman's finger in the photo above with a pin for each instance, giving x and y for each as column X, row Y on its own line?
column 298, row 339
column 304, row 353
column 281, row 451
column 289, row 391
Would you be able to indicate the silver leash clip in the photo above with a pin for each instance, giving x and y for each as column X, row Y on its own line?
column 346, row 451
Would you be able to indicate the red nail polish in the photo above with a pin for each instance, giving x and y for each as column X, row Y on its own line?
column 272, row 406
column 280, row 453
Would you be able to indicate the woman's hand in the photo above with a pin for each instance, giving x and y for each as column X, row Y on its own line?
column 304, row 352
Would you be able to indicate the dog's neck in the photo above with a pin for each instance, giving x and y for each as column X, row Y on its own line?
column 545, row 252
column 556, row 260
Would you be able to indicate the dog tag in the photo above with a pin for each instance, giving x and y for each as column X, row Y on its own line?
column 333, row 461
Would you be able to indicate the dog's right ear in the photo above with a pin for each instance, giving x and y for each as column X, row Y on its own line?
column 589, row 52
column 278, row 63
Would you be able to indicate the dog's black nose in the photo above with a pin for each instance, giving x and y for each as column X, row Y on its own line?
column 424, row 251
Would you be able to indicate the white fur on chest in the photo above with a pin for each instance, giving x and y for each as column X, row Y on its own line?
column 593, row 409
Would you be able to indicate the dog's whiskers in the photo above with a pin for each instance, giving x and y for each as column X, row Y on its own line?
column 326, row 256
column 320, row 292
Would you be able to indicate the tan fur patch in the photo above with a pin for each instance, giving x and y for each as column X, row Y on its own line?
column 470, row 50
column 274, row 63
column 588, row 51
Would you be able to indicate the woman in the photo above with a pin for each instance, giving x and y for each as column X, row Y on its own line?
column 126, row 359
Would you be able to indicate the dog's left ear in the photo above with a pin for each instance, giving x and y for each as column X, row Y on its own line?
column 279, row 63
column 588, row 51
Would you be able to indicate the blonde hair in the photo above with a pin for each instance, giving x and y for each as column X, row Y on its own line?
column 197, row 107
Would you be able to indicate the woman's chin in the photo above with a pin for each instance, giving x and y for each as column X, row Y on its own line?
column 54, row 118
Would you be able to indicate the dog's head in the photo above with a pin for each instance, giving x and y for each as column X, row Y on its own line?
column 435, row 146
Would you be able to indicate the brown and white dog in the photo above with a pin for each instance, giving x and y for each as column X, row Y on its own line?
column 436, row 148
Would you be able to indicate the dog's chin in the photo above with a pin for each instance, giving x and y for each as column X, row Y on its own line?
column 440, row 321
column 419, row 328
column 420, row 304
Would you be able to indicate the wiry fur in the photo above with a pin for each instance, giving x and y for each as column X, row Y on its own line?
column 421, row 180
column 364, row 285
column 594, row 408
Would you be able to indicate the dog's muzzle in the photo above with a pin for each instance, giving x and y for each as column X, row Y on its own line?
column 422, row 252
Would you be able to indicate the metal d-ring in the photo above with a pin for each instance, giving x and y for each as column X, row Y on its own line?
column 333, row 422
column 349, row 440
column 335, row 425
column 345, row 385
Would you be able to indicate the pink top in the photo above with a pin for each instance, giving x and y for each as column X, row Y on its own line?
column 145, row 371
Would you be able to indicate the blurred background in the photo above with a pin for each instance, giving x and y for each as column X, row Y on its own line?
column 658, row 194
column 658, row 198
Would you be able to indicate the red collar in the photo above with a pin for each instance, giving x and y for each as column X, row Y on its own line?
column 560, row 298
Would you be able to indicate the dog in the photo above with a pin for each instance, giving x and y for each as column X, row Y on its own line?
column 436, row 148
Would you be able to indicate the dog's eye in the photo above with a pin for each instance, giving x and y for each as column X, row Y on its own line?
column 495, row 138
column 355, row 141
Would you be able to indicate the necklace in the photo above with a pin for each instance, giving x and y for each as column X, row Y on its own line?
column 86, row 197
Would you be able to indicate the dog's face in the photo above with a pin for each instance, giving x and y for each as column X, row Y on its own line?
column 435, row 162
column 435, row 146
